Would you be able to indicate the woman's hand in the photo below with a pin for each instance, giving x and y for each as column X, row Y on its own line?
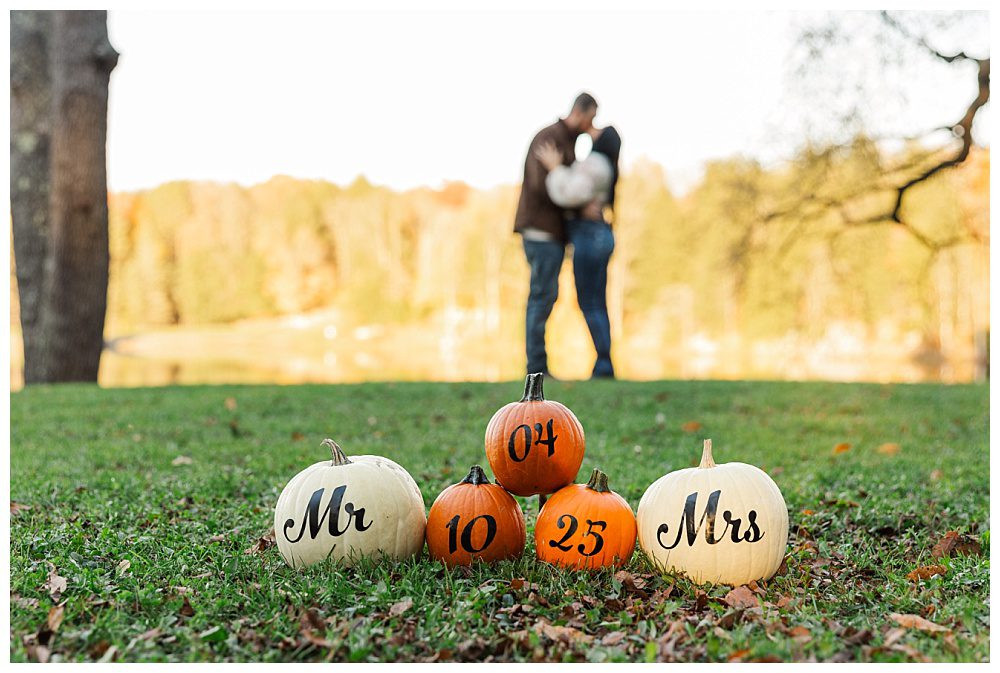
column 593, row 211
column 549, row 156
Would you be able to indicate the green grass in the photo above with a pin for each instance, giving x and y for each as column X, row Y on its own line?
column 94, row 466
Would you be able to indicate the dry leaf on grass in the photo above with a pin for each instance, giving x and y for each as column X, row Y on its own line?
column 926, row 572
column 741, row 598
column 917, row 622
column 55, row 617
column 800, row 634
column 402, row 606
column 55, row 585
column 613, row 638
column 123, row 566
column 953, row 543
column 738, row 655
column 888, row 449
column 563, row 634
column 16, row 508
column 893, row 635
column 186, row 609
column 181, row 460
column 843, row 447
column 691, row 426
column 313, row 628
column 263, row 543
column 231, row 403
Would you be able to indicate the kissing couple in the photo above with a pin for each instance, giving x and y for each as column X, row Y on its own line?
column 568, row 201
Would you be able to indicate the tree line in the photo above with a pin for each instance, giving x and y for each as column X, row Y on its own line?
column 727, row 259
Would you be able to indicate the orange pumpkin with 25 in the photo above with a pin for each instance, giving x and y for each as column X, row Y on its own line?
column 586, row 526
column 475, row 520
column 535, row 446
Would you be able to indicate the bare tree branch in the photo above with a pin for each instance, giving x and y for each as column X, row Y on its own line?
column 895, row 181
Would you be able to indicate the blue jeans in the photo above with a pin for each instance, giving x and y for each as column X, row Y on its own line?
column 593, row 242
column 545, row 259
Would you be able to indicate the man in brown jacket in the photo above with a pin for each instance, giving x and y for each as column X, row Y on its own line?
column 541, row 224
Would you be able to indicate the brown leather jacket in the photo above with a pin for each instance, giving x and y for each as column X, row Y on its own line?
column 534, row 208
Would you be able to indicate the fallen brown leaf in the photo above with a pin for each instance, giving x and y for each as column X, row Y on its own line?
column 313, row 628
column 123, row 566
column 24, row 602
column 893, row 635
column 888, row 449
column 613, row 638
column 297, row 436
column 186, row 609
column 564, row 634
column 843, row 447
column 263, row 543
column 41, row 652
column 917, row 622
column 151, row 634
column 55, row 617
column 97, row 650
column 110, row 655
column 936, row 475
column 402, row 606
column 231, row 403
column 691, row 426
column 741, row 598
column 16, row 508
column 181, row 460
column 808, row 512
column 926, row 572
column 800, row 634
column 953, row 543
column 55, row 585
column 738, row 655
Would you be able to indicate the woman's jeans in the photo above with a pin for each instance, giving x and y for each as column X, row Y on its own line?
column 593, row 242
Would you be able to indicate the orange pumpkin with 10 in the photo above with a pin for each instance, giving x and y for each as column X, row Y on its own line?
column 475, row 520
column 586, row 526
column 535, row 446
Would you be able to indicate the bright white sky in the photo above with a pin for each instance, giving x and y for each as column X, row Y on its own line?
column 419, row 98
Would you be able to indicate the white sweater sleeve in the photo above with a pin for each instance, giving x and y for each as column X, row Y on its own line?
column 569, row 188
column 579, row 184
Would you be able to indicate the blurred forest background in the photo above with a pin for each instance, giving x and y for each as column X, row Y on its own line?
column 801, row 270
column 354, row 282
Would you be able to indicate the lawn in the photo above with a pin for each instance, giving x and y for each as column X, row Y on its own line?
column 137, row 517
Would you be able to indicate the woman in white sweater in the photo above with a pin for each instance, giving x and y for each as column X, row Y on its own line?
column 587, row 189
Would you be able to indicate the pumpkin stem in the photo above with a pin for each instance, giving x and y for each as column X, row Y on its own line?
column 533, row 388
column 476, row 477
column 339, row 457
column 598, row 481
column 706, row 455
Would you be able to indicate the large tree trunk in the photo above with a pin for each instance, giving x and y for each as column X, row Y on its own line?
column 30, row 133
column 67, row 269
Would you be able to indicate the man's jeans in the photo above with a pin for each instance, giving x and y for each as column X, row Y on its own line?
column 593, row 244
column 545, row 259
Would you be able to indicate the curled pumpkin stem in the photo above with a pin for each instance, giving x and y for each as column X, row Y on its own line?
column 533, row 388
column 706, row 455
column 339, row 457
column 476, row 476
column 598, row 481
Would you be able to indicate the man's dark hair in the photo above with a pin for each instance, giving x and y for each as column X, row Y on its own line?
column 584, row 102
